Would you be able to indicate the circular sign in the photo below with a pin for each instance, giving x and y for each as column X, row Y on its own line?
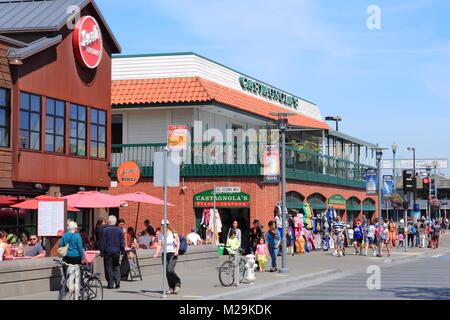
column 128, row 174
column 88, row 42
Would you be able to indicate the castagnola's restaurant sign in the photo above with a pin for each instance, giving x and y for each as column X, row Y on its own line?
column 268, row 92
column 224, row 200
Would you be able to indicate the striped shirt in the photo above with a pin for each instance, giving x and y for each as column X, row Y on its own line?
column 338, row 227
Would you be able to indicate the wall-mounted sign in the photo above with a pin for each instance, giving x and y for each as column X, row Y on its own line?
column 337, row 200
column 371, row 182
column 227, row 190
column 271, row 164
column 128, row 174
column 88, row 42
column 177, row 137
column 223, row 200
column 267, row 92
column 51, row 216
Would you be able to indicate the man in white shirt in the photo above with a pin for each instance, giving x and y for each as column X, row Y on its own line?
column 193, row 238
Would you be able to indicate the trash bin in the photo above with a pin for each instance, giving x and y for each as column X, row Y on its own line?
column 221, row 249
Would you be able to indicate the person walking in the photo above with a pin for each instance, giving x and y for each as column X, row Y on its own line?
column 101, row 222
column 253, row 236
column 411, row 234
column 358, row 236
column 339, row 238
column 112, row 244
column 273, row 241
column 384, row 239
column 172, row 247
column 370, row 239
column 435, row 234
column 74, row 257
column 392, row 227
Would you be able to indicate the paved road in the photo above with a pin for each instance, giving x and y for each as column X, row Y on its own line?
column 426, row 278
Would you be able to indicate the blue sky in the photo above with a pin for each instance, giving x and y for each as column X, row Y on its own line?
column 389, row 85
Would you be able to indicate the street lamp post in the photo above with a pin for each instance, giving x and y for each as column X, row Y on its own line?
column 394, row 173
column 415, row 178
column 379, row 155
column 336, row 119
column 283, row 126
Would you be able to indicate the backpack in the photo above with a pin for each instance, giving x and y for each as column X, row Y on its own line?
column 413, row 230
column 183, row 245
column 437, row 231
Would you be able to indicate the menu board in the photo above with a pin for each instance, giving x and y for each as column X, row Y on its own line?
column 51, row 218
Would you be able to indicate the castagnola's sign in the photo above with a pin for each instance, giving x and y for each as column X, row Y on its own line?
column 224, row 200
column 267, row 92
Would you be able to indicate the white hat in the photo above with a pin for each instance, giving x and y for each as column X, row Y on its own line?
column 163, row 222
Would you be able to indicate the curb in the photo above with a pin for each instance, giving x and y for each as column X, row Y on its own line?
column 254, row 292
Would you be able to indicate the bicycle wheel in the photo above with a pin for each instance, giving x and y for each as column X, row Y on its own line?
column 65, row 294
column 226, row 274
column 93, row 289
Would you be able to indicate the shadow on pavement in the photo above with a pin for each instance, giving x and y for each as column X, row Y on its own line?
column 417, row 293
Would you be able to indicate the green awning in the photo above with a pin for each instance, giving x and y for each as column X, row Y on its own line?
column 368, row 205
column 317, row 204
column 353, row 205
column 294, row 200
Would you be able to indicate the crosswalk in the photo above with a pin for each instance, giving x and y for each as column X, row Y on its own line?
column 421, row 279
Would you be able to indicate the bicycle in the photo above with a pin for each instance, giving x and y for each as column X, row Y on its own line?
column 91, row 287
column 227, row 270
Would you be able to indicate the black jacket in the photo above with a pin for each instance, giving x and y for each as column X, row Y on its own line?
column 112, row 240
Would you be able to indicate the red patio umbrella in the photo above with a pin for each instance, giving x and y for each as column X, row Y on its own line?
column 93, row 199
column 33, row 203
column 6, row 201
column 141, row 197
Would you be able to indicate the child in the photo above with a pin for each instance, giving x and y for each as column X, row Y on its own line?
column 289, row 247
column 301, row 245
column 400, row 240
column 262, row 252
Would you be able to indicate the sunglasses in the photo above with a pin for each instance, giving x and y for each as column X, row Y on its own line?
column 33, row 239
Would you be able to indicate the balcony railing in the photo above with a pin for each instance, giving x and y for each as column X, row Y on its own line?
column 203, row 160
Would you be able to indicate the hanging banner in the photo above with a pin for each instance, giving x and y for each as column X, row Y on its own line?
column 177, row 137
column 271, row 163
column 388, row 185
column 371, row 182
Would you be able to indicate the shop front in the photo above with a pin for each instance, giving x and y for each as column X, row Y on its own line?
column 353, row 207
column 338, row 203
column 368, row 207
column 230, row 206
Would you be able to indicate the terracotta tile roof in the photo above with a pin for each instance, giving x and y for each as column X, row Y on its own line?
column 196, row 89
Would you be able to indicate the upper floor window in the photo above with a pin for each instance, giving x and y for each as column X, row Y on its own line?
column 55, row 124
column 78, row 130
column 98, row 133
column 5, row 112
column 30, row 121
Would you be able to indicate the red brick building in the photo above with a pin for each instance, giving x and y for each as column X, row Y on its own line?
column 217, row 104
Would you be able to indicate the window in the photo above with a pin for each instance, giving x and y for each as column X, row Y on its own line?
column 117, row 132
column 55, row 126
column 4, row 117
column 77, row 130
column 98, row 133
column 30, row 121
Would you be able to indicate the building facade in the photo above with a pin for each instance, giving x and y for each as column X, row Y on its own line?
column 55, row 102
column 230, row 120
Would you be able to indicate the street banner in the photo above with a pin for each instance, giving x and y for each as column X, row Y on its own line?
column 371, row 182
column 177, row 137
column 388, row 185
column 271, row 163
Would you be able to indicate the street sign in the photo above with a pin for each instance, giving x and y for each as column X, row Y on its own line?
column 420, row 164
column 371, row 182
column 173, row 169
column 227, row 189
column 177, row 137
column 388, row 185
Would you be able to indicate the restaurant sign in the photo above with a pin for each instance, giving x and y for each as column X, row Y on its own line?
column 88, row 42
column 224, row 200
column 267, row 92
column 128, row 174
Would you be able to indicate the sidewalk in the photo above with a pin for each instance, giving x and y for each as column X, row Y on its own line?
column 203, row 283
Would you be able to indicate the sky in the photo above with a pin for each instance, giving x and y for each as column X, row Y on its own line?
column 390, row 84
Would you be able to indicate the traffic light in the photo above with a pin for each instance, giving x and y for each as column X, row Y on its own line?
column 433, row 186
column 426, row 187
column 408, row 181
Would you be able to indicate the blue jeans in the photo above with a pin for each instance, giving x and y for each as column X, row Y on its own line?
column 273, row 257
